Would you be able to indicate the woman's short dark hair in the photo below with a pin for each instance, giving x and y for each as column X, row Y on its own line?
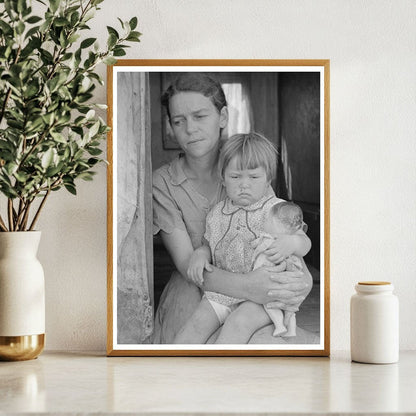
column 196, row 82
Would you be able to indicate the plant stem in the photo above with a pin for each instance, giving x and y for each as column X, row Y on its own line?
column 38, row 211
column 20, row 213
column 2, row 224
column 3, row 109
column 10, row 213
column 26, row 216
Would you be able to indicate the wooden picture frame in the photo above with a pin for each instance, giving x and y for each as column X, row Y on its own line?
column 289, row 101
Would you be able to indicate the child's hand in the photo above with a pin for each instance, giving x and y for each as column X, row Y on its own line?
column 283, row 246
column 197, row 264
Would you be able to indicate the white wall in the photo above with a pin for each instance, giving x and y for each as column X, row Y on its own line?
column 371, row 45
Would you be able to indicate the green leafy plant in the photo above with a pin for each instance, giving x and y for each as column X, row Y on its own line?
column 50, row 134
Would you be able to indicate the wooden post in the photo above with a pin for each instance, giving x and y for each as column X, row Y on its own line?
column 134, row 210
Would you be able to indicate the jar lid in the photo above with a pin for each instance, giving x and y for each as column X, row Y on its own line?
column 373, row 287
column 373, row 283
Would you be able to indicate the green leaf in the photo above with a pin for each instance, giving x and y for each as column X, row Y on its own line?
column 33, row 19
column 90, row 14
column 35, row 125
column 53, row 83
column 21, row 6
column 11, row 168
column 67, row 153
column 119, row 52
column 133, row 37
column 58, row 137
column 6, row 146
column 82, row 98
column 54, row 4
column 78, row 154
column 46, row 56
column 86, row 176
column 90, row 114
column 112, row 31
column 110, row 60
column 74, row 18
column 52, row 171
column 133, row 23
column 92, row 161
column 67, row 56
column 7, row 30
column 10, row 7
column 122, row 23
column 94, row 151
column 112, row 41
column 64, row 93
column 73, row 38
column 20, row 28
column 26, row 11
column 61, row 21
column 94, row 129
column 87, row 42
column 70, row 188
column 21, row 177
column 31, row 90
column 48, row 118
column 47, row 158
column 63, row 41
column 32, row 31
column 15, row 124
column 8, row 191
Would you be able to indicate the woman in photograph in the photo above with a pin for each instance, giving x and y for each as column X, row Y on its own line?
column 184, row 190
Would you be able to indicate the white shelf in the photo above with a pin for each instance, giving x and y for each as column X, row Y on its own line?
column 84, row 383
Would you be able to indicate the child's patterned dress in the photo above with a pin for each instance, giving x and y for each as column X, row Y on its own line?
column 230, row 230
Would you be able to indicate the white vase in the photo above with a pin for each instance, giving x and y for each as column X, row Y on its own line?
column 374, row 323
column 22, row 296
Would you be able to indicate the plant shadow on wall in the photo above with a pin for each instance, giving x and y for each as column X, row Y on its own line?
column 50, row 134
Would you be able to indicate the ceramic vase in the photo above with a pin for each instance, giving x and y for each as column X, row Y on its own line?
column 374, row 323
column 22, row 296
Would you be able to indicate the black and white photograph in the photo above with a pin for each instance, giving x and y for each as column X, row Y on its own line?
column 218, row 208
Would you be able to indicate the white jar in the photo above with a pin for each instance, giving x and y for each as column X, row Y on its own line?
column 374, row 323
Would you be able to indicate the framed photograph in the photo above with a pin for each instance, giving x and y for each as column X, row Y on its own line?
column 218, row 208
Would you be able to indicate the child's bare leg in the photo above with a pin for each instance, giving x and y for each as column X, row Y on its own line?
column 200, row 326
column 243, row 323
column 290, row 318
column 276, row 316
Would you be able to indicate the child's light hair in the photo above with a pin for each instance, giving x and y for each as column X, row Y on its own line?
column 252, row 150
column 289, row 214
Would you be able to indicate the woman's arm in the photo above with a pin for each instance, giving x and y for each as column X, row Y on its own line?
column 179, row 245
column 267, row 285
column 271, row 286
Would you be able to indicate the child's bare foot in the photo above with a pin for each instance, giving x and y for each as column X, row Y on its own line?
column 279, row 330
column 291, row 328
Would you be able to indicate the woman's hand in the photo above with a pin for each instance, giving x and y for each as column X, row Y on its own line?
column 197, row 264
column 275, row 288
column 292, row 289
